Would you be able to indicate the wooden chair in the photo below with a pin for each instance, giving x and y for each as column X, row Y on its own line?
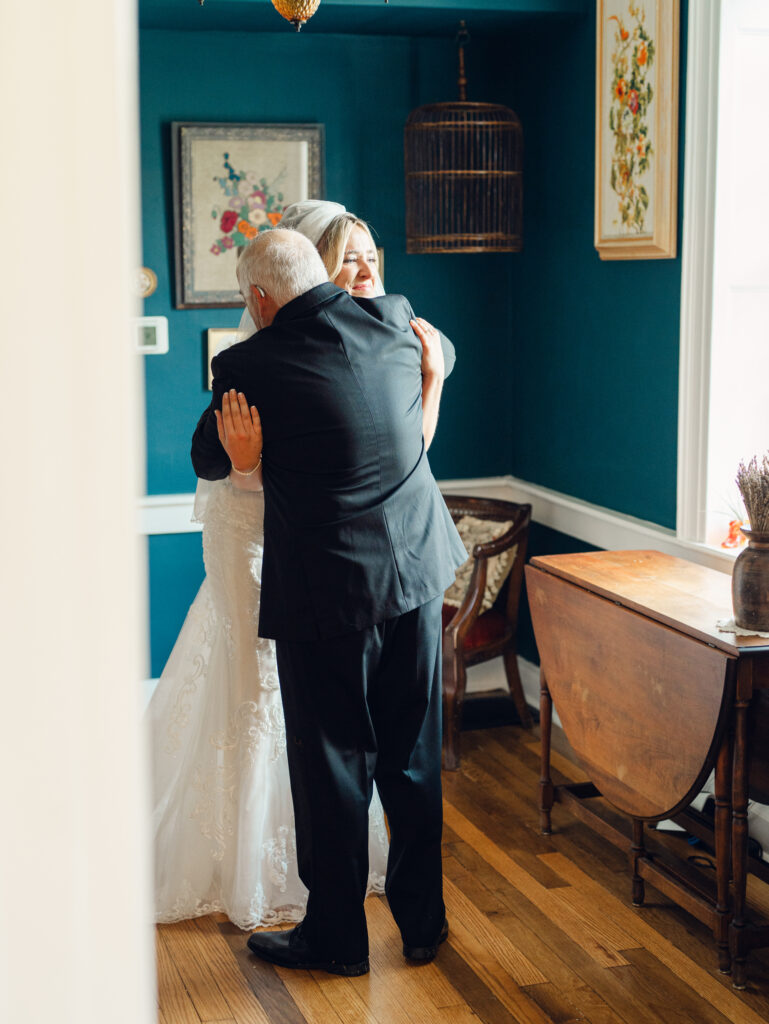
column 471, row 637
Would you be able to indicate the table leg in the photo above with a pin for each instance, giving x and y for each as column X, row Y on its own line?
column 638, row 850
column 723, row 815
column 545, row 782
column 737, row 935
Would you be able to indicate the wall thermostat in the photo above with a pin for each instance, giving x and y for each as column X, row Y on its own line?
column 151, row 333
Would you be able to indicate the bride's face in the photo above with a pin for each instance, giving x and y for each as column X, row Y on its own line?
column 358, row 273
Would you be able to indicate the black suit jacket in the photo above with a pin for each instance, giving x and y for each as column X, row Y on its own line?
column 356, row 530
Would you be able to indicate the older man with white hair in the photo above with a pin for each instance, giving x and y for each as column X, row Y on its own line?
column 359, row 548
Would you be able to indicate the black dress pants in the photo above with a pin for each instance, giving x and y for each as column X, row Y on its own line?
column 360, row 708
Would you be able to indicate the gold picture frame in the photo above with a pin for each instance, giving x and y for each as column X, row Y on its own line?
column 636, row 130
column 219, row 338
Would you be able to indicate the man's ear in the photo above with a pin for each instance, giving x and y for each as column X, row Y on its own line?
column 267, row 305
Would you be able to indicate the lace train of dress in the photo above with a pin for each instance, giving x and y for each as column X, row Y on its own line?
column 223, row 817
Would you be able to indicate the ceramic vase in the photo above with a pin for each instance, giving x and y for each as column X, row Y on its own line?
column 750, row 583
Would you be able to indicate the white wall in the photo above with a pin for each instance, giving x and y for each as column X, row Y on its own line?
column 75, row 935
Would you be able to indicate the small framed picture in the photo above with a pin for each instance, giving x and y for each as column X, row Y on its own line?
column 219, row 338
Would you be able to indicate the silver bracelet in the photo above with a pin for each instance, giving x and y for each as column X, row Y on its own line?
column 249, row 472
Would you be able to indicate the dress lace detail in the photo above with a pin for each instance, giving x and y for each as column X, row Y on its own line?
column 223, row 819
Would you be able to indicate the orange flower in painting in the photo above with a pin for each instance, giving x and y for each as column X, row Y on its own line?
column 623, row 32
column 643, row 54
column 274, row 218
column 620, row 89
column 246, row 229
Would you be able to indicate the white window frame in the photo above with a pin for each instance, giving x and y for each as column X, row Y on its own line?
column 697, row 253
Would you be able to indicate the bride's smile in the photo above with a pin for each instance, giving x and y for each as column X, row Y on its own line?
column 358, row 273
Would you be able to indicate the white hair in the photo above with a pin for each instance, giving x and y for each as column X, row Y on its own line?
column 283, row 263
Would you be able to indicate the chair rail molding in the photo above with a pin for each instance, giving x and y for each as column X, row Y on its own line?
column 697, row 252
column 593, row 524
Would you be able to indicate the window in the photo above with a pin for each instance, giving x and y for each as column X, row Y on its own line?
column 724, row 397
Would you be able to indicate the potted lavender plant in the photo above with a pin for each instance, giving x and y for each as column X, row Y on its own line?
column 750, row 578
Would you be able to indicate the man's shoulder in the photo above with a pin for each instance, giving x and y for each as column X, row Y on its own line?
column 387, row 308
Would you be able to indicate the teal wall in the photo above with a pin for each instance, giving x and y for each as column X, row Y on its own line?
column 567, row 366
column 595, row 343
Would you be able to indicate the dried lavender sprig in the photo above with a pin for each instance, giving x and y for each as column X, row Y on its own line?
column 753, row 483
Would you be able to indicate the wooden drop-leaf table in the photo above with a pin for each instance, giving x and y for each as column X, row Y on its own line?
column 652, row 697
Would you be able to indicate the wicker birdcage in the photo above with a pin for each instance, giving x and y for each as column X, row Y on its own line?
column 464, row 175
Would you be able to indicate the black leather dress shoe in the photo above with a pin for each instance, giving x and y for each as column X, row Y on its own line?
column 424, row 954
column 289, row 949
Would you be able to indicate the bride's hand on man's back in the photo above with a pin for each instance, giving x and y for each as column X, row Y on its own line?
column 240, row 432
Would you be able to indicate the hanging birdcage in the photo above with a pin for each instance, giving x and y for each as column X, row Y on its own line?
column 464, row 175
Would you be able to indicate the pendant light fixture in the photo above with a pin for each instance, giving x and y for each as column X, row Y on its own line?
column 464, row 174
column 295, row 11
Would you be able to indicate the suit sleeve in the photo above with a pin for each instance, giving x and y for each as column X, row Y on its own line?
column 449, row 354
column 209, row 459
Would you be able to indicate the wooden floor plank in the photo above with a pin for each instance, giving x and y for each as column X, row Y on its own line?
column 186, row 949
column 351, row 998
column 602, row 927
column 175, row 1003
column 419, row 990
column 458, row 1015
column 476, row 994
column 245, row 1006
column 262, row 979
column 672, row 998
column 308, row 996
column 474, row 932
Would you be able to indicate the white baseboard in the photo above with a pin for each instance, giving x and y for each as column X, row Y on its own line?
column 592, row 524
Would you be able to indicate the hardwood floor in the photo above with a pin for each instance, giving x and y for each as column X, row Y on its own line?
column 541, row 931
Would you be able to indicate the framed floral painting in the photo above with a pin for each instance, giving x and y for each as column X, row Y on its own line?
column 230, row 182
column 636, row 134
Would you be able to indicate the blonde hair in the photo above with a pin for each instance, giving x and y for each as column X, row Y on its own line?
column 332, row 244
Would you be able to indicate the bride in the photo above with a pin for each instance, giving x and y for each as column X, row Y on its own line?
column 223, row 816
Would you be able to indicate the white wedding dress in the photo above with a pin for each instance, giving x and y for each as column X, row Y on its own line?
column 223, row 817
